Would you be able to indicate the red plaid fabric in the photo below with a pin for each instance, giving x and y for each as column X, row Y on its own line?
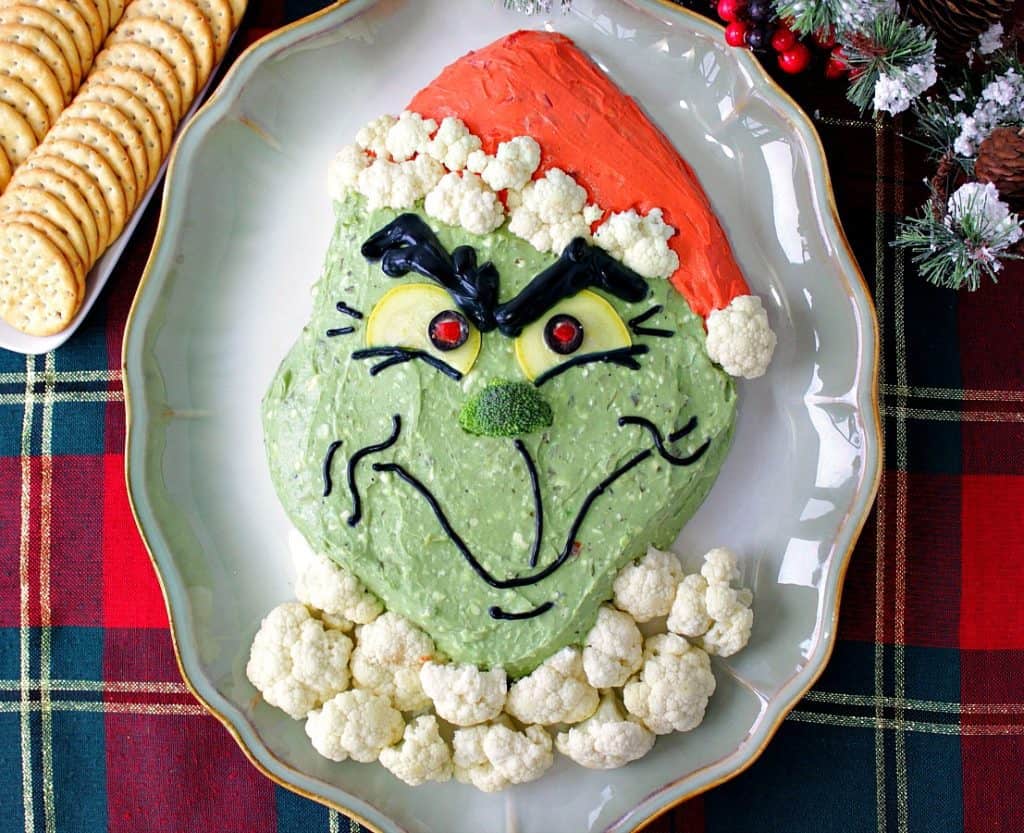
column 917, row 724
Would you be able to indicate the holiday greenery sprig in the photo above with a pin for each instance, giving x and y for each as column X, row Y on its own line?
column 892, row 62
column 961, row 243
column 536, row 6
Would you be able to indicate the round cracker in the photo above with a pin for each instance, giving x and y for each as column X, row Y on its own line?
column 116, row 11
column 39, row 292
column 237, row 11
column 169, row 42
column 104, row 12
column 104, row 140
column 222, row 23
column 46, row 48
column 54, row 235
column 186, row 19
column 121, row 126
column 26, row 102
column 86, row 185
column 148, row 62
column 16, row 137
column 90, row 14
column 53, row 26
column 67, row 192
column 72, row 19
column 5, row 170
column 92, row 162
column 135, row 83
column 18, row 62
column 136, row 111
column 28, row 198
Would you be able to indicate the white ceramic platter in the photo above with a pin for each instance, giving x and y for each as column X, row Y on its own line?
column 245, row 226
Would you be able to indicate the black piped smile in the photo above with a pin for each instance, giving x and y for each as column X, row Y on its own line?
column 571, row 545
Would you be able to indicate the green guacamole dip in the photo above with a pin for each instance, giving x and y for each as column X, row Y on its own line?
column 322, row 395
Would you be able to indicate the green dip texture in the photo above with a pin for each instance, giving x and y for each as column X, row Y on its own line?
column 320, row 395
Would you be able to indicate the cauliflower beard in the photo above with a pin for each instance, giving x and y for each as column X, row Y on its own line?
column 323, row 398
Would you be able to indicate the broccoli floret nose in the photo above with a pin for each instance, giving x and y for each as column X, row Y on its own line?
column 505, row 409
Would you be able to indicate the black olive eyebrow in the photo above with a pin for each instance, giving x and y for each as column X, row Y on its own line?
column 580, row 265
column 408, row 244
column 636, row 324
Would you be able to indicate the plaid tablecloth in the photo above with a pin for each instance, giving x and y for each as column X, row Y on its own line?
column 917, row 724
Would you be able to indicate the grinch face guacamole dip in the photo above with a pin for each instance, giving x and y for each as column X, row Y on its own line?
column 486, row 458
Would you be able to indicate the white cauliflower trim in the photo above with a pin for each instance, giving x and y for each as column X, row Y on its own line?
column 608, row 739
column 302, row 662
column 640, row 242
column 740, row 338
column 463, row 694
column 395, row 162
column 387, row 659
column 421, row 756
column 708, row 608
column 329, row 587
column 614, row 649
column 645, row 589
column 493, row 756
column 556, row 691
column 354, row 724
column 295, row 662
column 672, row 689
column 464, row 200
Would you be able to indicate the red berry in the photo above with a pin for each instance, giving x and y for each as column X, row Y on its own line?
column 835, row 69
column 731, row 10
column 783, row 39
column 736, row 33
column 795, row 60
column 825, row 38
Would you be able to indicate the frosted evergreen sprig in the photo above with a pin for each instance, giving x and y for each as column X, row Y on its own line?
column 810, row 16
column 966, row 245
column 892, row 62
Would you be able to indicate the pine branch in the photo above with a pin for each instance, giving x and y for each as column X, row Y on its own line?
column 809, row 16
column 889, row 45
column 536, row 6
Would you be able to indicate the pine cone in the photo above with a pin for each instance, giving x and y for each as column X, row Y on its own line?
column 957, row 23
column 1001, row 162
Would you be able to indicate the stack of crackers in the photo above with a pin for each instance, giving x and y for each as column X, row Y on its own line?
column 91, row 92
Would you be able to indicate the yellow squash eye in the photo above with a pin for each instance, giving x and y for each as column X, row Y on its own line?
column 585, row 323
column 421, row 316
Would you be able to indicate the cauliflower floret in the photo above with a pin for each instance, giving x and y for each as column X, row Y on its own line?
column 548, row 212
column 646, row 588
column 720, row 566
column 477, row 161
column 607, row 739
column 733, row 620
column 452, row 144
column 398, row 184
column 295, row 662
column 409, row 135
column 555, row 692
column 592, row 213
column 343, row 172
column 329, row 587
column 672, row 689
column 689, row 614
column 387, row 659
column 707, row 606
column 492, row 756
column 372, row 136
column 465, row 201
column 421, row 756
column 640, row 242
column 354, row 724
column 740, row 339
column 512, row 164
column 463, row 694
column 614, row 649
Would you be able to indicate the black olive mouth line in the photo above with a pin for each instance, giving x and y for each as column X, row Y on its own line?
column 570, row 546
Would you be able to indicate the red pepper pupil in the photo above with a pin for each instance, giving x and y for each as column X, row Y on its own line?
column 564, row 332
column 448, row 331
